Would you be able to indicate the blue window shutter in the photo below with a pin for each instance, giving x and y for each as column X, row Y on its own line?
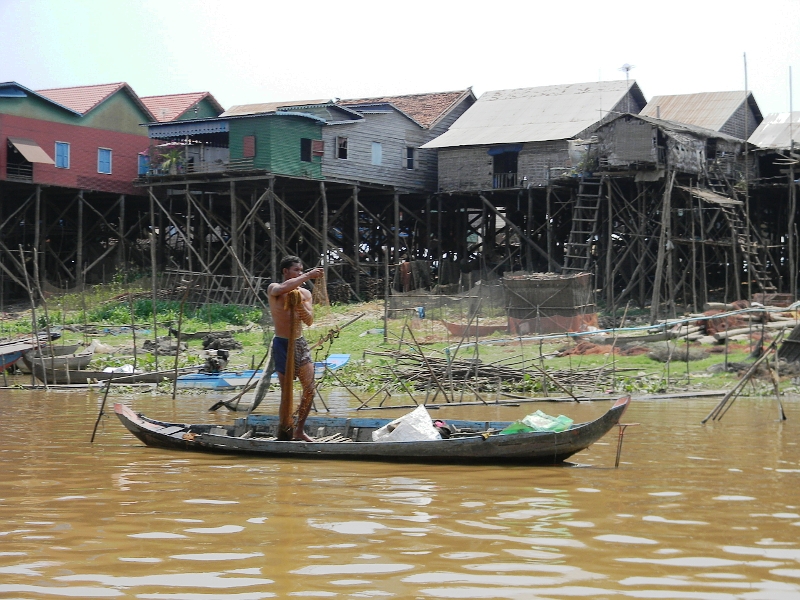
column 103, row 160
column 62, row 155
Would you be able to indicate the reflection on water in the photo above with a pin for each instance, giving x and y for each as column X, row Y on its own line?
column 694, row 511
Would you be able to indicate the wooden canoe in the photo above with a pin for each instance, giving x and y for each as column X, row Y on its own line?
column 61, row 376
column 75, row 361
column 477, row 441
column 46, row 352
column 474, row 330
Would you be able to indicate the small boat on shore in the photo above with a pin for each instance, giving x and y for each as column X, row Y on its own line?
column 342, row 438
column 61, row 376
column 74, row 362
column 473, row 330
column 226, row 380
column 46, row 352
column 11, row 351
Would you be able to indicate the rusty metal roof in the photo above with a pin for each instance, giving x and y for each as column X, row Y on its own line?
column 425, row 109
column 708, row 109
column 85, row 98
column 553, row 112
column 171, row 106
column 270, row 107
column 773, row 132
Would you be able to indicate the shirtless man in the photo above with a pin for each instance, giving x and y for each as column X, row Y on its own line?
column 293, row 279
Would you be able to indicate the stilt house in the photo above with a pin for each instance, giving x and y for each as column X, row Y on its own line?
column 521, row 138
column 733, row 113
column 79, row 137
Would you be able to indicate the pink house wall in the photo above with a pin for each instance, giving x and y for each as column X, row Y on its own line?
column 84, row 143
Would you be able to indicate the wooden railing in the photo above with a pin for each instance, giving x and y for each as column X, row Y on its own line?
column 19, row 172
column 504, row 180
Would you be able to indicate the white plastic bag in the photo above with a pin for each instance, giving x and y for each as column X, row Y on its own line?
column 416, row 426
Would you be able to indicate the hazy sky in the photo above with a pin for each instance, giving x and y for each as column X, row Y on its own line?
column 246, row 51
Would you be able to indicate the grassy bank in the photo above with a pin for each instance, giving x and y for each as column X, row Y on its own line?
column 105, row 315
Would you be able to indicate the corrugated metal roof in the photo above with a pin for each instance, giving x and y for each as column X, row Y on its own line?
column 676, row 127
column 708, row 109
column 85, row 98
column 553, row 112
column 269, row 107
column 184, row 128
column 773, row 132
column 171, row 106
column 425, row 109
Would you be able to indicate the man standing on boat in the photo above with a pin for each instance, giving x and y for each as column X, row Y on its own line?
column 290, row 305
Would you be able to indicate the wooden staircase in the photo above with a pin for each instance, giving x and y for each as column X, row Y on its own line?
column 737, row 220
column 585, row 225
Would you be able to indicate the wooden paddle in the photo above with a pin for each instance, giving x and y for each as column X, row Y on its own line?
column 286, row 422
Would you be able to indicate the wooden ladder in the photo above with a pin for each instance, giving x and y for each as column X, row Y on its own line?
column 585, row 225
column 749, row 248
column 737, row 220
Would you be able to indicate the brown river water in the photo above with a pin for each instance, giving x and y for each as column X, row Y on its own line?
column 693, row 511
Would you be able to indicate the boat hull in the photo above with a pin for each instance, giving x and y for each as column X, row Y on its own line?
column 61, row 376
column 482, row 444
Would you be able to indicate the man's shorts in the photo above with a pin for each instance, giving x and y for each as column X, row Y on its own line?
column 302, row 354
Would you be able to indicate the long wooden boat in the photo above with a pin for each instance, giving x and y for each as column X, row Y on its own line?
column 61, row 376
column 79, row 360
column 46, row 352
column 226, row 380
column 11, row 351
column 340, row 438
column 461, row 329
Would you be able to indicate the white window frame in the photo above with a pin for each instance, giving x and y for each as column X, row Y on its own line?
column 346, row 147
column 377, row 157
column 110, row 161
column 68, row 154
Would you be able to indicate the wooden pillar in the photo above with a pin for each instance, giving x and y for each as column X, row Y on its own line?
column 397, row 228
column 642, row 195
column 251, row 232
column 153, row 268
column 439, row 235
column 703, row 274
column 664, row 237
column 189, row 233
column 37, row 226
column 551, row 248
column 790, row 237
column 79, row 250
column 356, row 243
column 609, row 276
column 235, row 246
column 121, row 248
column 324, row 252
column 528, row 229
column 273, row 230
column 428, row 231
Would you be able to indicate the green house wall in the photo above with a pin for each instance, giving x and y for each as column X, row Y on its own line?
column 204, row 111
column 277, row 143
column 117, row 113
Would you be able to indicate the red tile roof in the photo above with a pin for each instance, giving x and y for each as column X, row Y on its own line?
column 425, row 109
column 171, row 106
column 83, row 98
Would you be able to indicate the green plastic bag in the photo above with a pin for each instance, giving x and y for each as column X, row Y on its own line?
column 539, row 421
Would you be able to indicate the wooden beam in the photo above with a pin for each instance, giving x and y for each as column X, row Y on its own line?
column 551, row 261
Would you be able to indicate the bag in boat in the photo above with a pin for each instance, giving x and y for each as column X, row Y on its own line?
column 416, row 426
column 538, row 421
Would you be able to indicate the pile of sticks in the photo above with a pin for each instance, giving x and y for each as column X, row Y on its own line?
column 455, row 374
